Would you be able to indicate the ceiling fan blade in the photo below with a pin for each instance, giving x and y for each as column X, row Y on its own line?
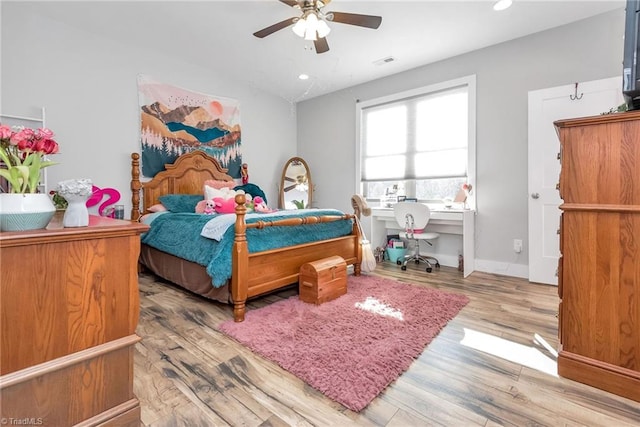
column 275, row 27
column 368, row 21
column 292, row 3
column 286, row 178
column 321, row 45
column 291, row 187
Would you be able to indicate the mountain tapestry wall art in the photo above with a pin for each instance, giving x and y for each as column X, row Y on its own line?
column 175, row 121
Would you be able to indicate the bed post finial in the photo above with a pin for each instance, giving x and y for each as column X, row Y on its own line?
column 135, row 186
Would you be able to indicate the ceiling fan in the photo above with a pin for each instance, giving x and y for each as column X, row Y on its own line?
column 312, row 24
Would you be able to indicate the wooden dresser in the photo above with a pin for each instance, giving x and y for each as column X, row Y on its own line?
column 599, row 267
column 69, row 308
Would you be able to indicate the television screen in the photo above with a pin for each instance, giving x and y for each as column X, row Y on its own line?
column 630, row 72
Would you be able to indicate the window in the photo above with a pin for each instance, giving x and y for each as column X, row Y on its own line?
column 419, row 143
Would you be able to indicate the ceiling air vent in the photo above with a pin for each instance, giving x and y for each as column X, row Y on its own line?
column 383, row 61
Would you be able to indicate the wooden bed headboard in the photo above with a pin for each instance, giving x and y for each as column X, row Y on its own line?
column 186, row 176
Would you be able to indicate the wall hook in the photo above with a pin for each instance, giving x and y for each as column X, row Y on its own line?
column 575, row 94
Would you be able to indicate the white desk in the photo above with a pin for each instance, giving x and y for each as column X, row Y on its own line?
column 444, row 221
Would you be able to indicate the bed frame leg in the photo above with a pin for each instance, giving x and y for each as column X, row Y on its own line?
column 356, row 269
column 238, row 311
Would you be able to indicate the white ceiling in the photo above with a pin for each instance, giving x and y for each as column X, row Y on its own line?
column 218, row 35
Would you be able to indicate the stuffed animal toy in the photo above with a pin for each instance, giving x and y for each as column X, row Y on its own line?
column 224, row 206
column 248, row 200
column 259, row 205
column 227, row 204
column 210, row 207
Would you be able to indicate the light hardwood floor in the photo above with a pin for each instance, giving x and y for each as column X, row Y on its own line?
column 494, row 364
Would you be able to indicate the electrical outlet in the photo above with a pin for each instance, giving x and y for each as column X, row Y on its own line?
column 517, row 245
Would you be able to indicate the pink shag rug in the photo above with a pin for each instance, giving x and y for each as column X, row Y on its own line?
column 350, row 348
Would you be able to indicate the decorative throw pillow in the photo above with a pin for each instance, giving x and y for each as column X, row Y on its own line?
column 223, row 206
column 253, row 190
column 225, row 193
column 219, row 184
column 159, row 207
column 181, row 202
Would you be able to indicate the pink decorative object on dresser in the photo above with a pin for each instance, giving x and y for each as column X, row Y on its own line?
column 113, row 196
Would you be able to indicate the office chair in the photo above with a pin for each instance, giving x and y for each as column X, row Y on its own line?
column 413, row 218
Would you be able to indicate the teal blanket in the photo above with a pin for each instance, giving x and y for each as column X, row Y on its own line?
column 179, row 234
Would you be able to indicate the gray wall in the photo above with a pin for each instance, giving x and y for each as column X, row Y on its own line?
column 88, row 86
column 587, row 50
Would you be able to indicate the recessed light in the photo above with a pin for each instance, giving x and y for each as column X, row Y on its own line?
column 303, row 77
column 502, row 4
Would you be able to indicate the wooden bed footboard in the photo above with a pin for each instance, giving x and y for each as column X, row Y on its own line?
column 252, row 274
column 260, row 272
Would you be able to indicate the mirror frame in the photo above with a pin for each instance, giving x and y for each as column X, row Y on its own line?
column 309, row 182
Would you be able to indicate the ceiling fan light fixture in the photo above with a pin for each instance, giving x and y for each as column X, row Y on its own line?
column 312, row 27
column 323, row 29
column 299, row 27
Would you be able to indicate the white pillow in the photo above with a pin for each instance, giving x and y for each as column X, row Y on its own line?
column 210, row 193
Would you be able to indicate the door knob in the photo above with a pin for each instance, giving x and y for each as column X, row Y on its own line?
column 535, row 195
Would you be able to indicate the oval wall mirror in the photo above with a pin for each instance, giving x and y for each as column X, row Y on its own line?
column 296, row 190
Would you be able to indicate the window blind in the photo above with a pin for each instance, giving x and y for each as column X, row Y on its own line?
column 418, row 137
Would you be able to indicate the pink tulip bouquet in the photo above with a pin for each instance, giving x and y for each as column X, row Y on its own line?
column 23, row 152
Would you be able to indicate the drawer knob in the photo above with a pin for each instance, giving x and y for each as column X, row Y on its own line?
column 535, row 195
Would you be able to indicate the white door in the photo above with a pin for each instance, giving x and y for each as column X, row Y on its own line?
column 546, row 106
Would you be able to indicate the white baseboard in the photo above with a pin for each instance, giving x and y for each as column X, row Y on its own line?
column 485, row 266
column 447, row 260
column 503, row 268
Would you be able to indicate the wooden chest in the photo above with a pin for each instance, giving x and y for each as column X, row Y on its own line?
column 323, row 280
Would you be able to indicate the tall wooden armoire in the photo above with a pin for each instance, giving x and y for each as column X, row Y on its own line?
column 599, row 267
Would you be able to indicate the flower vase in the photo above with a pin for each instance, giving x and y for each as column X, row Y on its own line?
column 21, row 212
column 77, row 214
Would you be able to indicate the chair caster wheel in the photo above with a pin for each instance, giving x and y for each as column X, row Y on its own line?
column 437, row 265
column 399, row 262
column 403, row 268
column 429, row 269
